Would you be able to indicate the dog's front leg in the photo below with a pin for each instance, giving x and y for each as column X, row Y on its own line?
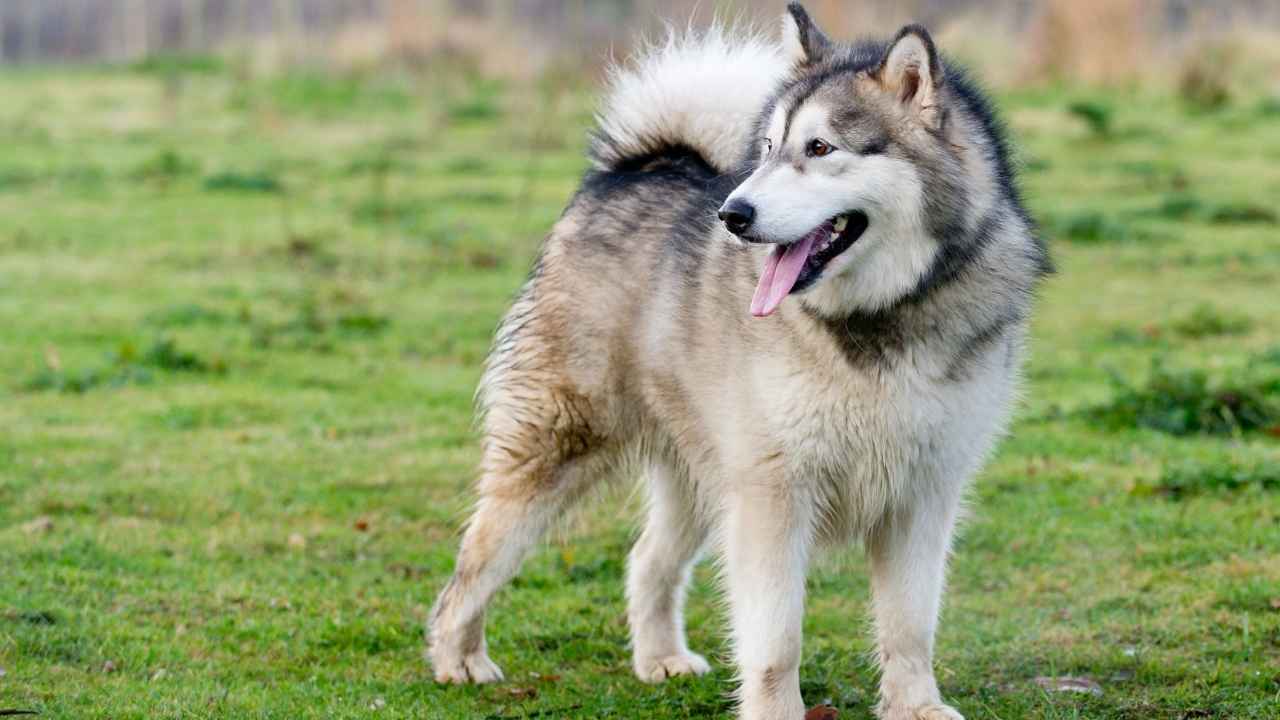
column 768, row 536
column 908, row 553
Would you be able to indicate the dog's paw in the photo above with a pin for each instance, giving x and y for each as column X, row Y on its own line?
column 927, row 712
column 938, row 712
column 657, row 669
column 474, row 668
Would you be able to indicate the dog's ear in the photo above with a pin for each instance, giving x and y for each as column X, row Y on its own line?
column 802, row 41
column 911, row 71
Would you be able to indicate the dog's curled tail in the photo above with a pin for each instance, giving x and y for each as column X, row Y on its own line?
column 697, row 90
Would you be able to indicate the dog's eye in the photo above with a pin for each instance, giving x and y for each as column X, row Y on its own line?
column 766, row 145
column 818, row 148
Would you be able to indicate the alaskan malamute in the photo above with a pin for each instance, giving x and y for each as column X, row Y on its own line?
column 829, row 362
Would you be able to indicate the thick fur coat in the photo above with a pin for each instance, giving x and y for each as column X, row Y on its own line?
column 769, row 413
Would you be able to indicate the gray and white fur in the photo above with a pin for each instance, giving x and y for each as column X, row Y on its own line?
column 832, row 371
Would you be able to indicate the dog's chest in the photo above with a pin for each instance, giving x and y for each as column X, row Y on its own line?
column 880, row 431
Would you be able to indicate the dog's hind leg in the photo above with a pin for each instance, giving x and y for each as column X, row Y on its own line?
column 658, row 574
column 539, row 456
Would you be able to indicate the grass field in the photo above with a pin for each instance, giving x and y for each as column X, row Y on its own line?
column 243, row 319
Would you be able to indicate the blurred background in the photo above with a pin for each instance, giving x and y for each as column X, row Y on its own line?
column 252, row 253
column 1015, row 40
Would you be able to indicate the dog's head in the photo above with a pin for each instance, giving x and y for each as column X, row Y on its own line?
column 856, row 173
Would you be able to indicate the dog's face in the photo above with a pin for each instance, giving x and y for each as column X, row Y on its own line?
column 847, row 154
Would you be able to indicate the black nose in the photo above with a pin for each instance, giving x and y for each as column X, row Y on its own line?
column 737, row 215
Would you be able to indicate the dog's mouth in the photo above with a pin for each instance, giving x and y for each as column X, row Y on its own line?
column 795, row 266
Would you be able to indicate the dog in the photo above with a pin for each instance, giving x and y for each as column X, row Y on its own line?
column 792, row 293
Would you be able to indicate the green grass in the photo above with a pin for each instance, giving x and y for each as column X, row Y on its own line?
column 244, row 320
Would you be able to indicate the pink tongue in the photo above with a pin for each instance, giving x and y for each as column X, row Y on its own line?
column 781, row 270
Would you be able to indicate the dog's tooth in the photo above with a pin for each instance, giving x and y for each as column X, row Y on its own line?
column 840, row 224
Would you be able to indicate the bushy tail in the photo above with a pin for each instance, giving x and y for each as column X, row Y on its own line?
column 697, row 90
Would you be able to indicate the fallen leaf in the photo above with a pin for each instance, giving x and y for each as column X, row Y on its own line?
column 159, row 674
column 522, row 693
column 822, row 712
column 1068, row 683
column 297, row 541
column 1275, row 603
column 109, row 666
column 408, row 572
column 362, row 525
column 484, row 260
column 1274, row 431
column 42, row 524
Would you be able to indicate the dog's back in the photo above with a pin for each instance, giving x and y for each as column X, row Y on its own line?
column 616, row 288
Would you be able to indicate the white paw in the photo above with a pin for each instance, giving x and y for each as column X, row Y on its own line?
column 926, row 712
column 657, row 669
column 938, row 712
column 474, row 668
